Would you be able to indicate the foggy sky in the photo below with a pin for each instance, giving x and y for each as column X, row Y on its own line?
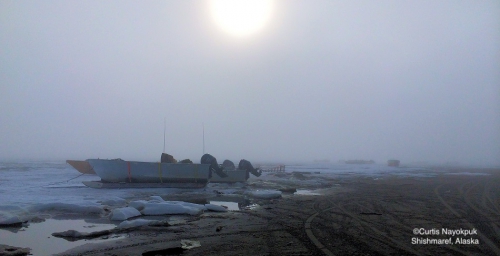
column 409, row 80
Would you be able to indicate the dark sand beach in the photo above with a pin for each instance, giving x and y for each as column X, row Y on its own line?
column 448, row 214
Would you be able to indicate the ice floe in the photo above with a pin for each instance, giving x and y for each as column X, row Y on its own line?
column 124, row 213
column 135, row 223
column 172, row 208
column 158, row 206
column 114, row 201
column 7, row 218
column 215, row 208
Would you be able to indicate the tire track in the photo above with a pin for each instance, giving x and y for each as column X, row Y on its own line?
column 492, row 245
column 312, row 237
column 492, row 202
column 468, row 201
column 371, row 226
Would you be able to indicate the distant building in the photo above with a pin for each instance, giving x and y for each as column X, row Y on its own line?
column 393, row 163
column 359, row 162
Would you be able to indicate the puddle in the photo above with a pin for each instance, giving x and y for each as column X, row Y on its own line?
column 306, row 192
column 231, row 206
column 38, row 236
column 233, row 203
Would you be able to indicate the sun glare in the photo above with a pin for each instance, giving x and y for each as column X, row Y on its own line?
column 241, row 17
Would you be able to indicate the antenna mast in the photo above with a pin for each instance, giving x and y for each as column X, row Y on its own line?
column 164, row 128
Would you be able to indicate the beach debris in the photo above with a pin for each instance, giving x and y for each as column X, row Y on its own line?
column 218, row 228
column 73, row 235
column 124, row 213
column 189, row 244
column 7, row 250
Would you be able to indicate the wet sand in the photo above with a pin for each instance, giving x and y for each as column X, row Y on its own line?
column 352, row 215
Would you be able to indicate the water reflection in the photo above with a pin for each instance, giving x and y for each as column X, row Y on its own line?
column 232, row 203
column 38, row 236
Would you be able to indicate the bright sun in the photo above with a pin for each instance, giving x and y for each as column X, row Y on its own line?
column 241, row 17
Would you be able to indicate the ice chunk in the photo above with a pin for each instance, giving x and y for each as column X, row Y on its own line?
column 73, row 235
column 135, row 223
column 171, row 208
column 9, row 219
column 139, row 204
column 124, row 213
column 11, row 208
column 157, row 198
column 115, row 201
column 265, row 194
column 215, row 208
column 69, row 233
column 187, row 204
column 189, row 244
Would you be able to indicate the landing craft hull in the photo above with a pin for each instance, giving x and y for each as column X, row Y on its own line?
column 132, row 172
column 81, row 166
column 233, row 176
column 105, row 185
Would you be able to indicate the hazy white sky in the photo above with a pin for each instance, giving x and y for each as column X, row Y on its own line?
column 411, row 80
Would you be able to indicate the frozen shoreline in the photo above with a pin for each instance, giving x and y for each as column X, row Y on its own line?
column 34, row 193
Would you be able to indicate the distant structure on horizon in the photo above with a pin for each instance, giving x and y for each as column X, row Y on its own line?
column 393, row 162
column 359, row 162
